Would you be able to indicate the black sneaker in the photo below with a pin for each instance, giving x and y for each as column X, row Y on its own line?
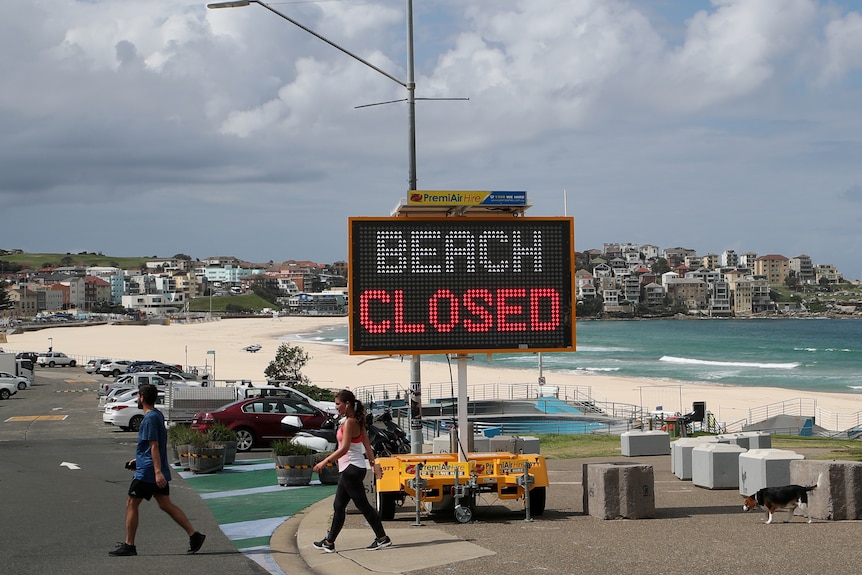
column 124, row 550
column 196, row 541
column 379, row 543
column 325, row 545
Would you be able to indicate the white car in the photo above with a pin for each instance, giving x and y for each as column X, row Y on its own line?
column 55, row 358
column 117, row 393
column 126, row 415
column 17, row 380
column 114, row 368
column 8, row 389
column 94, row 364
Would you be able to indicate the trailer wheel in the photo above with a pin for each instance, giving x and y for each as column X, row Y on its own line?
column 463, row 514
column 537, row 500
column 386, row 503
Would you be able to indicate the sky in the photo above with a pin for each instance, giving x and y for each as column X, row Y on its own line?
column 156, row 128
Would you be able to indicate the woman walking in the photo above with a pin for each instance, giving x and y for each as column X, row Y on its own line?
column 353, row 448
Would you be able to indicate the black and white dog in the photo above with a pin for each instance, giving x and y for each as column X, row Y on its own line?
column 786, row 497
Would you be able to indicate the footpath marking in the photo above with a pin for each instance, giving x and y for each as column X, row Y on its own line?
column 249, row 505
column 36, row 418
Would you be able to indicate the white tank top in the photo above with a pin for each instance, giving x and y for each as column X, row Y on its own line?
column 355, row 455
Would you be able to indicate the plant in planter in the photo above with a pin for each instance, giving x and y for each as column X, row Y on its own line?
column 205, row 456
column 219, row 433
column 180, row 438
column 293, row 463
column 329, row 474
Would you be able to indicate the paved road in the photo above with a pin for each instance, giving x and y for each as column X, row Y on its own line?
column 58, row 518
column 55, row 517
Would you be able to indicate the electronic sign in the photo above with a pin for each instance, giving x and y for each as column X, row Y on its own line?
column 460, row 285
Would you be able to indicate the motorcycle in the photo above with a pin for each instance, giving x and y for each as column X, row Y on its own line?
column 386, row 436
column 318, row 440
column 388, row 439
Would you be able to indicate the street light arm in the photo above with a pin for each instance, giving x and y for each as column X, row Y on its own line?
column 240, row 3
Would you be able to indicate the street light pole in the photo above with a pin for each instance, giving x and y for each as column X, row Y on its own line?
column 410, row 85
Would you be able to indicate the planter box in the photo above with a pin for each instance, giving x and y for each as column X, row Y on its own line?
column 293, row 470
column 206, row 459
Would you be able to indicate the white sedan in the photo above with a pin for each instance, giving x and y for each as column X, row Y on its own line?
column 19, row 381
column 126, row 415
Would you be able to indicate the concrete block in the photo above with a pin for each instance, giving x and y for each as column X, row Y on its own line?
column 514, row 444
column 680, row 456
column 759, row 468
column 716, row 465
column 637, row 443
column 748, row 439
column 619, row 490
column 443, row 444
column 839, row 497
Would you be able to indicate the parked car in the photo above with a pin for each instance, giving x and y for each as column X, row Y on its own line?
column 152, row 365
column 93, row 365
column 8, row 389
column 19, row 382
column 126, row 414
column 257, row 421
column 114, row 368
column 135, row 380
column 118, row 393
column 327, row 406
column 55, row 358
column 31, row 355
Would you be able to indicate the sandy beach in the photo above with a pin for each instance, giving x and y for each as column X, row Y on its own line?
column 331, row 366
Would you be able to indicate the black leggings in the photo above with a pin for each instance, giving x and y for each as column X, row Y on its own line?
column 351, row 486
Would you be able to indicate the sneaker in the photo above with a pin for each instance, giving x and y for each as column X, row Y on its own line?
column 124, row 550
column 196, row 541
column 379, row 543
column 325, row 545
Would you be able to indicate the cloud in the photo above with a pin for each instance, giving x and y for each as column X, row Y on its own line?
column 704, row 124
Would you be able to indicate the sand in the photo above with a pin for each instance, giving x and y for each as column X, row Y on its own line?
column 331, row 366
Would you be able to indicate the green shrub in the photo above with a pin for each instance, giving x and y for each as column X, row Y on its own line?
column 283, row 447
column 180, row 434
column 219, row 432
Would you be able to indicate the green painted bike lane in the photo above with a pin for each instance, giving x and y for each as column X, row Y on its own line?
column 249, row 504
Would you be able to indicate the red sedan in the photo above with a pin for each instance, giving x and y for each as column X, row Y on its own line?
column 257, row 421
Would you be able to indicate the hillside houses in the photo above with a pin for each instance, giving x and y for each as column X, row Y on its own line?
column 620, row 278
column 623, row 279
column 161, row 286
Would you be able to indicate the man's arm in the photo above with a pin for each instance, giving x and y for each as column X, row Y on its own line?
column 155, row 454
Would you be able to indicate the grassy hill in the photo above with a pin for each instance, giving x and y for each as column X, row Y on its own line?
column 38, row 261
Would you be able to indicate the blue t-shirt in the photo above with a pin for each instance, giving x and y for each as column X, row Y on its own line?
column 152, row 429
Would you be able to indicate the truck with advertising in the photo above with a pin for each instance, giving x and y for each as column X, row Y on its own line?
column 20, row 367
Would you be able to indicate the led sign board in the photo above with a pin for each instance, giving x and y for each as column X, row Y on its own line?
column 459, row 285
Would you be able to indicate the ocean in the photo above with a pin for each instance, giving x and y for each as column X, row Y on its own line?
column 795, row 354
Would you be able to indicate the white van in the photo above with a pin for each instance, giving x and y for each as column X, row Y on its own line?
column 139, row 378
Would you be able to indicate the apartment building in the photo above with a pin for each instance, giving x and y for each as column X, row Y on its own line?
column 775, row 268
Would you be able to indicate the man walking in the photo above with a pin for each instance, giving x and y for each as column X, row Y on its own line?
column 152, row 476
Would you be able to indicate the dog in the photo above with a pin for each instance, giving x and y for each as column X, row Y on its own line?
column 786, row 497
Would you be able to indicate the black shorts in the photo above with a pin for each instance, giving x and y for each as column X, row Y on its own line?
column 145, row 489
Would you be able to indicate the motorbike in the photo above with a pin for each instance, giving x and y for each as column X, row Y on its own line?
column 318, row 440
column 386, row 436
column 389, row 438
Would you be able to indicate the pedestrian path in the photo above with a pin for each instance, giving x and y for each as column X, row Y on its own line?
column 249, row 504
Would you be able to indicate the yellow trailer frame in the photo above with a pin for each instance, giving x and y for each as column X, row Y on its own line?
column 432, row 477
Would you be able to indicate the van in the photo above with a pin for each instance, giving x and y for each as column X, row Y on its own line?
column 135, row 380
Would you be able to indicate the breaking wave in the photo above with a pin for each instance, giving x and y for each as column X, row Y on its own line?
column 691, row 361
